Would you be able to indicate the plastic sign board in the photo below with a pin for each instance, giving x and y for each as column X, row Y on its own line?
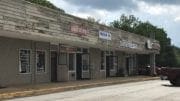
column 149, row 44
column 104, row 35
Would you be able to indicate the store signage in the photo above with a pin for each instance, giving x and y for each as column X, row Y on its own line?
column 80, row 30
column 67, row 49
column 152, row 45
column 155, row 46
column 104, row 35
column 149, row 44
column 128, row 44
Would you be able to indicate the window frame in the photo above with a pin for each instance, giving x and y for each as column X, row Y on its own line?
column 30, row 69
column 114, row 68
column 74, row 62
column 113, row 56
column 88, row 60
column 104, row 61
column 45, row 64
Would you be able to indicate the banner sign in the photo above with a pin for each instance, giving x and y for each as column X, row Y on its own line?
column 80, row 30
column 104, row 35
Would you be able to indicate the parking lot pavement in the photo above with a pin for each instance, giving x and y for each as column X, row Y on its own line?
column 154, row 90
column 40, row 89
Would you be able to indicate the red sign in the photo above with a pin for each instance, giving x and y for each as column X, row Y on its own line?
column 156, row 46
column 80, row 30
column 68, row 49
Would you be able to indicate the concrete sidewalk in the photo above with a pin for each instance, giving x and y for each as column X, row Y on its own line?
column 39, row 89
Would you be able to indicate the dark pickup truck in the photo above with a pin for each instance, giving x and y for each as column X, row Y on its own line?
column 171, row 74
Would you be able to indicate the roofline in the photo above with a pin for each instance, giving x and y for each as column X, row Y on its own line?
column 64, row 13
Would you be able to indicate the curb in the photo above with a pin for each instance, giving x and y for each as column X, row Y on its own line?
column 27, row 93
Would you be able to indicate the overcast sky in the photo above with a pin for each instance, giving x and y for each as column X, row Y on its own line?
column 162, row 13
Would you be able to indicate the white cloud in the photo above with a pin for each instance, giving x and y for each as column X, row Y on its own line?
column 157, row 9
column 177, row 19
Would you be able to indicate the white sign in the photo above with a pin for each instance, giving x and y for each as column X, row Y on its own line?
column 149, row 44
column 104, row 35
column 127, row 44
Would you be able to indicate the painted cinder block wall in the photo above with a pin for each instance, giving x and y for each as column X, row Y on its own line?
column 9, row 65
column 95, row 64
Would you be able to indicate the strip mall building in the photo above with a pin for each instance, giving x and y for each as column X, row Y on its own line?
column 39, row 45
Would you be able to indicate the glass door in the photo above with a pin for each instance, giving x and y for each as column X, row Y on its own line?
column 85, row 66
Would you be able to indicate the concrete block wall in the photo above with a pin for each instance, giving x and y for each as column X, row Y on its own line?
column 9, row 65
column 95, row 64
column 121, row 63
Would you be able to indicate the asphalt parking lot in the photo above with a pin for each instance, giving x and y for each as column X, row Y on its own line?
column 154, row 90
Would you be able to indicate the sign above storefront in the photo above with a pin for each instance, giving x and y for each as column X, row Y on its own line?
column 67, row 49
column 156, row 46
column 128, row 44
column 104, row 35
column 78, row 29
column 152, row 45
column 149, row 44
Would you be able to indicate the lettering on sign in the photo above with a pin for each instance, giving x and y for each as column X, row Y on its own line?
column 80, row 30
column 67, row 49
column 128, row 44
column 104, row 35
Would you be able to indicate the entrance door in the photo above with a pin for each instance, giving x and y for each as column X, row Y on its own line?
column 82, row 66
column 78, row 66
column 108, row 66
column 85, row 66
column 53, row 66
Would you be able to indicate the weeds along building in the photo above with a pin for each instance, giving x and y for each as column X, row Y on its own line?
column 38, row 45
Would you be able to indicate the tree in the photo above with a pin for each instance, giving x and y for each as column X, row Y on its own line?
column 91, row 19
column 127, row 23
column 46, row 4
column 169, row 55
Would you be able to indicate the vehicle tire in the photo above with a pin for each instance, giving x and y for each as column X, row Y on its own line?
column 175, row 82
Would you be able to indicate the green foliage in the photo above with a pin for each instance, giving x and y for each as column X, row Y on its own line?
column 127, row 23
column 45, row 3
column 169, row 55
column 177, row 53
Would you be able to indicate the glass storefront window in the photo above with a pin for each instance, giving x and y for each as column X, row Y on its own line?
column 71, row 61
column 102, row 60
column 111, row 62
column 24, row 61
column 85, row 62
column 40, row 61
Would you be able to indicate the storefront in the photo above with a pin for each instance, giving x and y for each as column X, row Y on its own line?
column 73, row 63
column 43, row 45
